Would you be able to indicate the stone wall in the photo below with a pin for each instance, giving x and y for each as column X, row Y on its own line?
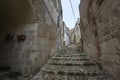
column 32, row 19
column 105, row 16
column 47, row 31
column 72, row 36
column 62, row 35
column 77, row 32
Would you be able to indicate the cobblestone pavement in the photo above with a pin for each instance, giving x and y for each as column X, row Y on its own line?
column 71, row 64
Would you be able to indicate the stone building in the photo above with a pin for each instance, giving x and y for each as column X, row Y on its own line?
column 75, row 33
column 72, row 38
column 100, row 29
column 65, row 36
column 62, row 35
column 58, row 16
column 28, row 33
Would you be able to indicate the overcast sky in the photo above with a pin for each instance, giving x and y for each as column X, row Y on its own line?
column 68, row 17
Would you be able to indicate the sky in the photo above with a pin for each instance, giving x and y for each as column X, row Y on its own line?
column 68, row 17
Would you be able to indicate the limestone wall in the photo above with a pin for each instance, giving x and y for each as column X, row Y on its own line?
column 32, row 19
column 77, row 32
column 107, row 18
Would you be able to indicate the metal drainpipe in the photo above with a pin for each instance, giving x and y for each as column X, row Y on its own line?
column 95, row 33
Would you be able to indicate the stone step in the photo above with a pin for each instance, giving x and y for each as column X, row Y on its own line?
column 72, row 59
column 69, row 55
column 88, row 70
column 71, row 76
column 68, row 62
column 70, row 52
column 63, row 73
column 63, row 77
column 63, row 68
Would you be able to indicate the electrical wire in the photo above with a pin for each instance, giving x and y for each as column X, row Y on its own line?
column 72, row 10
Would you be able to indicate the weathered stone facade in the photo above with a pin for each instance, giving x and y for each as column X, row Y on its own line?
column 100, row 26
column 62, row 35
column 72, row 36
column 75, row 33
column 32, row 20
column 65, row 36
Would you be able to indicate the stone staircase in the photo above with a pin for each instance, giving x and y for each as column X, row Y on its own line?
column 71, row 64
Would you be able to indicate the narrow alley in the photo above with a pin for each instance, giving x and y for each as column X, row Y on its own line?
column 59, row 39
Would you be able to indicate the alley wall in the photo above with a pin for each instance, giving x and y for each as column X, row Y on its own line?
column 105, row 16
column 32, row 20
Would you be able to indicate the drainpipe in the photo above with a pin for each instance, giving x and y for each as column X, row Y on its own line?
column 95, row 32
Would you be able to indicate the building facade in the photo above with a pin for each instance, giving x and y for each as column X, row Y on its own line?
column 75, row 34
column 100, row 20
column 55, row 9
column 28, row 34
column 65, row 36
column 72, row 36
